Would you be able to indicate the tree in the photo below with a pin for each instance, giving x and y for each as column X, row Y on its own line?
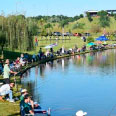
column 112, row 14
column 90, row 39
column 104, row 19
column 62, row 24
column 115, row 16
column 76, row 18
column 89, row 17
column 81, row 16
column 48, row 26
column 78, row 25
column 2, row 41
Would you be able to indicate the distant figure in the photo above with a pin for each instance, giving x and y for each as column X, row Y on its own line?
column 51, row 50
column 81, row 113
column 47, row 53
column 56, row 38
column 36, row 41
column 84, row 39
column 40, row 53
column 34, row 58
column 22, row 60
column 63, row 49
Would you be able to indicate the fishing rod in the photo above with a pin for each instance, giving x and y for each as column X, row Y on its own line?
column 63, row 109
column 112, row 110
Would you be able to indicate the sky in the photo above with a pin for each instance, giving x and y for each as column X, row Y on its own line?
column 54, row 7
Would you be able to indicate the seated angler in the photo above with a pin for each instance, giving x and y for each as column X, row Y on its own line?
column 27, row 109
column 31, row 103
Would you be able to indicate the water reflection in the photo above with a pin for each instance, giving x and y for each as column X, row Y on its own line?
column 77, row 82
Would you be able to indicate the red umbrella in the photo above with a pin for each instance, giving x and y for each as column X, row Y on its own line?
column 98, row 42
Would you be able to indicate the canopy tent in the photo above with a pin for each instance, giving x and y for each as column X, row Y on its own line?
column 98, row 42
column 102, row 38
column 90, row 44
column 50, row 46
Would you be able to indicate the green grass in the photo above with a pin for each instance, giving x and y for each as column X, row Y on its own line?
column 10, row 54
column 11, row 109
column 66, row 43
column 43, row 42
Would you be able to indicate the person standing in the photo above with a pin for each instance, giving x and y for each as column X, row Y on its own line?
column 36, row 42
column 7, row 72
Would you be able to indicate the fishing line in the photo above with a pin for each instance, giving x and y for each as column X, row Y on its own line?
column 112, row 110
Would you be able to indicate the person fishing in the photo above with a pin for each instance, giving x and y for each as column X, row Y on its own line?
column 7, row 72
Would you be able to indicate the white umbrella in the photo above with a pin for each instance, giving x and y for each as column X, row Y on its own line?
column 50, row 46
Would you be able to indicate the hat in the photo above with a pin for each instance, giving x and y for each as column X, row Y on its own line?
column 23, row 90
column 81, row 113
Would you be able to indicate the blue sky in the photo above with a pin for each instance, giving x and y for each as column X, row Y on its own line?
column 54, row 7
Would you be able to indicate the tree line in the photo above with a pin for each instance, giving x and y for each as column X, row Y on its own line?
column 16, row 32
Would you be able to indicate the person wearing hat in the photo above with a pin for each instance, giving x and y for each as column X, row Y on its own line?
column 81, row 113
column 7, row 72
column 5, row 89
column 23, row 93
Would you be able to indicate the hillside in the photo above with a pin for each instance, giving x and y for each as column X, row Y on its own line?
column 83, row 25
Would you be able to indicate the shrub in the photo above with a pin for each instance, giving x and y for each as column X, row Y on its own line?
column 95, row 29
column 90, row 39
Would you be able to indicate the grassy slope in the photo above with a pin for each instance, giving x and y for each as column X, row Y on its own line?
column 88, row 25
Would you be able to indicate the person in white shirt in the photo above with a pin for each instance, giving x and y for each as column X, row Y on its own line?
column 5, row 89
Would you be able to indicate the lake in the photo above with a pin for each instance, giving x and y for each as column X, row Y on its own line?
column 83, row 82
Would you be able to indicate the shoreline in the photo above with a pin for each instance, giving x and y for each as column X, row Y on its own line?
column 58, row 57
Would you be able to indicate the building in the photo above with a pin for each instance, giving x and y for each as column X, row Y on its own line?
column 111, row 11
column 93, row 13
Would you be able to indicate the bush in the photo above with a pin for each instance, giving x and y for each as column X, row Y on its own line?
column 89, row 17
column 90, row 39
column 95, row 29
column 104, row 19
column 78, row 26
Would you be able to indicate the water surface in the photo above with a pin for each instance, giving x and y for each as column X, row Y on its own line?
column 82, row 82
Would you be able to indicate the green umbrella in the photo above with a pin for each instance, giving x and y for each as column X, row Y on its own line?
column 90, row 44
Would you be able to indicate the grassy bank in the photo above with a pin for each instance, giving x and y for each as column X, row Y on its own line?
column 11, row 109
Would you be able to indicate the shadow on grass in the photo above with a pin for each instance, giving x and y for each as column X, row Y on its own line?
column 15, row 114
column 10, row 54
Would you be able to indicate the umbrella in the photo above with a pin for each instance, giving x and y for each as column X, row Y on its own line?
column 90, row 44
column 102, row 38
column 98, row 42
column 50, row 46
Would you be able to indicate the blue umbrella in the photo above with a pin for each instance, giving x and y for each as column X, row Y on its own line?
column 102, row 38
